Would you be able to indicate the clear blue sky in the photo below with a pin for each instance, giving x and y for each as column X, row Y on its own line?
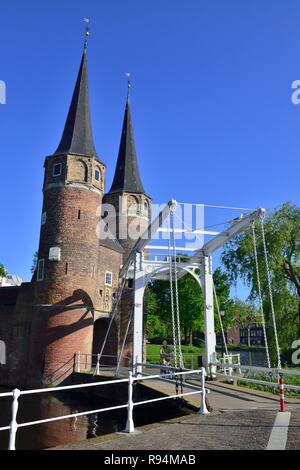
column 211, row 100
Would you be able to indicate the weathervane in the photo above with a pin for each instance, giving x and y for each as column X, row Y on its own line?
column 128, row 83
column 87, row 31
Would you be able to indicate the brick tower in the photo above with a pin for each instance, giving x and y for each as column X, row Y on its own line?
column 132, row 210
column 66, row 281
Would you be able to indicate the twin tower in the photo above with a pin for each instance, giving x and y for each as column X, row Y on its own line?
column 77, row 275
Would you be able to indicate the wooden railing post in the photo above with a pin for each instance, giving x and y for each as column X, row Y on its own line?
column 78, row 359
column 98, row 365
column 203, row 408
column 14, row 425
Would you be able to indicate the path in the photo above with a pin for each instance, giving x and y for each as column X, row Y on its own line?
column 242, row 419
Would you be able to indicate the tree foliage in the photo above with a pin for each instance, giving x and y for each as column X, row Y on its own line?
column 282, row 233
column 34, row 262
column 3, row 272
column 159, row 316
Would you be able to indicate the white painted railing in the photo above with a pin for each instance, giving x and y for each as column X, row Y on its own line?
column 16, row 393
column 86, row 362
column 275, row 372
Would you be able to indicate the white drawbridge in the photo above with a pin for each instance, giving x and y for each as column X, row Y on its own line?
column 169, row 262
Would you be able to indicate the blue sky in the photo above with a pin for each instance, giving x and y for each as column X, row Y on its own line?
column 211, row 100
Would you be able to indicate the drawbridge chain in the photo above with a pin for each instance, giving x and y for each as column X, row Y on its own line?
column 270, row 291
column 260, row 295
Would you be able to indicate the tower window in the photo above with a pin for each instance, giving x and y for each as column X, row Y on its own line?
column 108, row 278
column 97, row 175
column 130, row 283
column 79, row 214
column 57, row 169
column 40, row 270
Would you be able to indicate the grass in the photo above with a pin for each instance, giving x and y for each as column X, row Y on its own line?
column 190, row 354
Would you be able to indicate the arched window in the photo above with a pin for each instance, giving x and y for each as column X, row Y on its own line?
column 97, row 174
column 57, row 169
column 77, row 170
column 133, row 205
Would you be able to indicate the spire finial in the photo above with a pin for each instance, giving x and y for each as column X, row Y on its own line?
column 87, row 32
column 128, row 75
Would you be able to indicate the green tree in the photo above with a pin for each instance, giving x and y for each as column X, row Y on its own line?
column 282, row 232
column 191, row 307
column 3, row 272
column 222, row 286
column 159, row 316
column 34, row 262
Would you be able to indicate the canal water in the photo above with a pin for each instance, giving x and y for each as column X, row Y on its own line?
column 252, row 358
column 75, row 429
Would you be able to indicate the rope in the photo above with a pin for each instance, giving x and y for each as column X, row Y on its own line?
column 220, row 319
column 123, row 344
column 172, row 304
column 260, row 295
column 114, row 312
column 270, row 292
column 176, row 292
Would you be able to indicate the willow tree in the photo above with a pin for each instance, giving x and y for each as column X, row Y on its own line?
column 282, row 234
column 3, row 272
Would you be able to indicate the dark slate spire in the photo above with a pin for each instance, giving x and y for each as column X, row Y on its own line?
column 127, row 177
column 77, row 137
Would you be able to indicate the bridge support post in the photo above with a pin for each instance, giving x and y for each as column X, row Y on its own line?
column 139, row 288
column 203, row 408
column 130, row 424
column 209, row 324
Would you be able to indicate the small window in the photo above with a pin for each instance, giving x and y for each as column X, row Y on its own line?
column 44, row 217
column 108, row 278
column 146, row 205
column 79, row 214
column 40, row 270
column 97, row 175
column 57, row 169
column 130, row 283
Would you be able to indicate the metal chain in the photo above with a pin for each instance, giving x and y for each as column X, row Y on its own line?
column 172, row 303
column 270, row 292
column 123, row 344
column 260, row 295
column 181, row 364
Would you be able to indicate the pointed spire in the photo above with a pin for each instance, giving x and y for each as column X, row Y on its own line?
column 77, row 136
column 127, row 177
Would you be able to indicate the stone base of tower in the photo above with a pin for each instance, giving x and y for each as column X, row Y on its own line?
column 58, row 334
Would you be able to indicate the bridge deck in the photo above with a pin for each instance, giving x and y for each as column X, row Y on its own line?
column 228, row 430
column 241, row 419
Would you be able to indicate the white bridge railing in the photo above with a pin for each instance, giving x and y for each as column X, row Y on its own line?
column 275, row 372
column 16, row 393
column 87, row 362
